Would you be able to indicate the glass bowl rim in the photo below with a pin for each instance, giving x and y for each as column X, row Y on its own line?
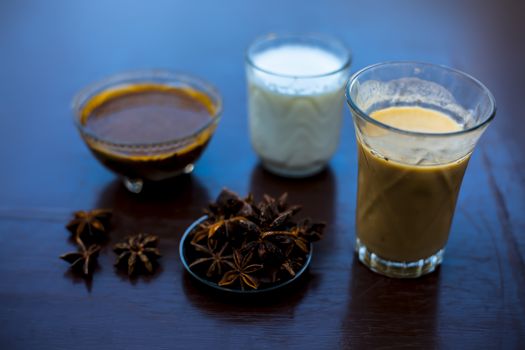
column 353, row 106
column 213, row 285
column 346, row 62
column 142, row 76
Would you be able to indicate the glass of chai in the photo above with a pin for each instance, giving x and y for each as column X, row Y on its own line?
column 295, row 101
column 416, row 126
column 148, row 125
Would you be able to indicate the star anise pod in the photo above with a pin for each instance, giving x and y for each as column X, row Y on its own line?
column 242, row 271
column 301, row 235
column 138, row 254
column 284, row 217
column 306, row 232
column 209, row 229
column 206, row 229
column 265, row 248
column 235, row 224
column 90, row 226
column 292, row 238
column 292, row 262
column 215, row 258
column 239, row 230
column 84, row 260
column 311, row 231
column 274, row 213
column 229, row 204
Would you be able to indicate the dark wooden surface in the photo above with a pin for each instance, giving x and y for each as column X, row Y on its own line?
column 51, row 49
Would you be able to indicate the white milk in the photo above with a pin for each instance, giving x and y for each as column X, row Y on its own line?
column 295, row 103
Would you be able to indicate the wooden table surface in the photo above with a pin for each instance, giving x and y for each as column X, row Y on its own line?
column 51, row 49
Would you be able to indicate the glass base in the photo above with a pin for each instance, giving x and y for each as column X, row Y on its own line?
column 133, row 185
column 136, row 185
column 292, row 173
column 397, row 269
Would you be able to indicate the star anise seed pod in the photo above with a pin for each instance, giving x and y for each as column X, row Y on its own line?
column 83, row 260
column 267, row 250
column 239, row 230
column 90, row 226
column 285, row 216
column 274, row 213
column 296, row 237
column 292, row 264
column 138, row 254
column 311, row 231
column 229, row 204
column 214, row 258
column 201, row 232
column 209, row 230
column 242, row 271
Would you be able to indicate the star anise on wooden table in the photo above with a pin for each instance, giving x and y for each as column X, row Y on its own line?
column 214, row 258
column 84, row 260
column 242, row 271
column 138, row 254
column 90, row 226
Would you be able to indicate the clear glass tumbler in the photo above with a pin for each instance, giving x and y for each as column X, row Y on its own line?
column 408, row 179
column 295, row 101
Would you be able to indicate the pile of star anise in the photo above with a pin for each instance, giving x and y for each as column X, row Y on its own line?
column 247, row 245
column 137, row 254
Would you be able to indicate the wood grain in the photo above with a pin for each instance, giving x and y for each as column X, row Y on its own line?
column 49, row 50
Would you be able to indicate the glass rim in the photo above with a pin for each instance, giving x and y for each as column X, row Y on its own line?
column 346, row 62
column 144, row 76
column 353, row 79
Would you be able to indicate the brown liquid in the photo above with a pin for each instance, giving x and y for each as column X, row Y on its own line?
column 404, row 212
column 143, row 115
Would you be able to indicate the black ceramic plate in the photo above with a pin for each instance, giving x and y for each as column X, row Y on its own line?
column 184, row 242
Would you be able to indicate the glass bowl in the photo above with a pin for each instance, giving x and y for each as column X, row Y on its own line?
column 139, row 162
column 185, row 241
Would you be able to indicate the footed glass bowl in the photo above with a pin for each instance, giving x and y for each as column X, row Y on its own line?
column 148, row 125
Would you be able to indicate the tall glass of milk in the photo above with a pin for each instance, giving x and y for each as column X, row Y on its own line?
column 295, row 101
